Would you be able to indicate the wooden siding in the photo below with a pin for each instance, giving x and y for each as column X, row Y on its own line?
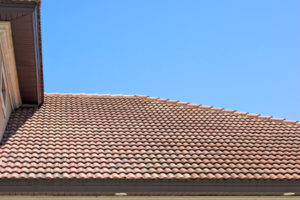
column 9, row 71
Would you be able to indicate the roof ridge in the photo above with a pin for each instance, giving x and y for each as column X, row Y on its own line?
column 258, row 116
column 89, row 94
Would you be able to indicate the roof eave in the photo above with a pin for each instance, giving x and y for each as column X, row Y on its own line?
column 26, row 32
column 148, row 187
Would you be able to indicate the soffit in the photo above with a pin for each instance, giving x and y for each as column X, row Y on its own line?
column 25, row 22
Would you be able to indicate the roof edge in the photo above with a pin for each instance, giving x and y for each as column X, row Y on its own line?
column 258, row 116
column 21, row 1
column 144, row 187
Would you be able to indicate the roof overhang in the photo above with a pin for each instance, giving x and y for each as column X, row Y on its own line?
column 24, row 17
column 159, row 187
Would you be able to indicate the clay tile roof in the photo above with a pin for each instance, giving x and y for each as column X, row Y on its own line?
column 138, row 137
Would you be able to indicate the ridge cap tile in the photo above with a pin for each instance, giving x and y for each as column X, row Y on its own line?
column 232, row 111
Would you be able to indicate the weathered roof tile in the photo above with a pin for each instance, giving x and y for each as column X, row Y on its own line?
column 139, row 137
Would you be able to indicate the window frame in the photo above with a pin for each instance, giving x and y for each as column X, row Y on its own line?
column 3, row 101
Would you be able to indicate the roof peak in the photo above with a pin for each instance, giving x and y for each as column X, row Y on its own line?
column 270, row 118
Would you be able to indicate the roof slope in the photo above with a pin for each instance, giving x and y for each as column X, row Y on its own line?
column 137, row 137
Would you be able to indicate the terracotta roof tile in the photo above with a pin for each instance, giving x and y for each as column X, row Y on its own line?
column 139, row 137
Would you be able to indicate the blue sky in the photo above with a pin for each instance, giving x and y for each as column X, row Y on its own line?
column 241, row 55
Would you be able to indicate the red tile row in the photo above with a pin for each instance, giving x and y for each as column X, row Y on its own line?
column 136, row 137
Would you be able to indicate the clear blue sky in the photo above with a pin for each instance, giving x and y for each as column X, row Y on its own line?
column 241, row 55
